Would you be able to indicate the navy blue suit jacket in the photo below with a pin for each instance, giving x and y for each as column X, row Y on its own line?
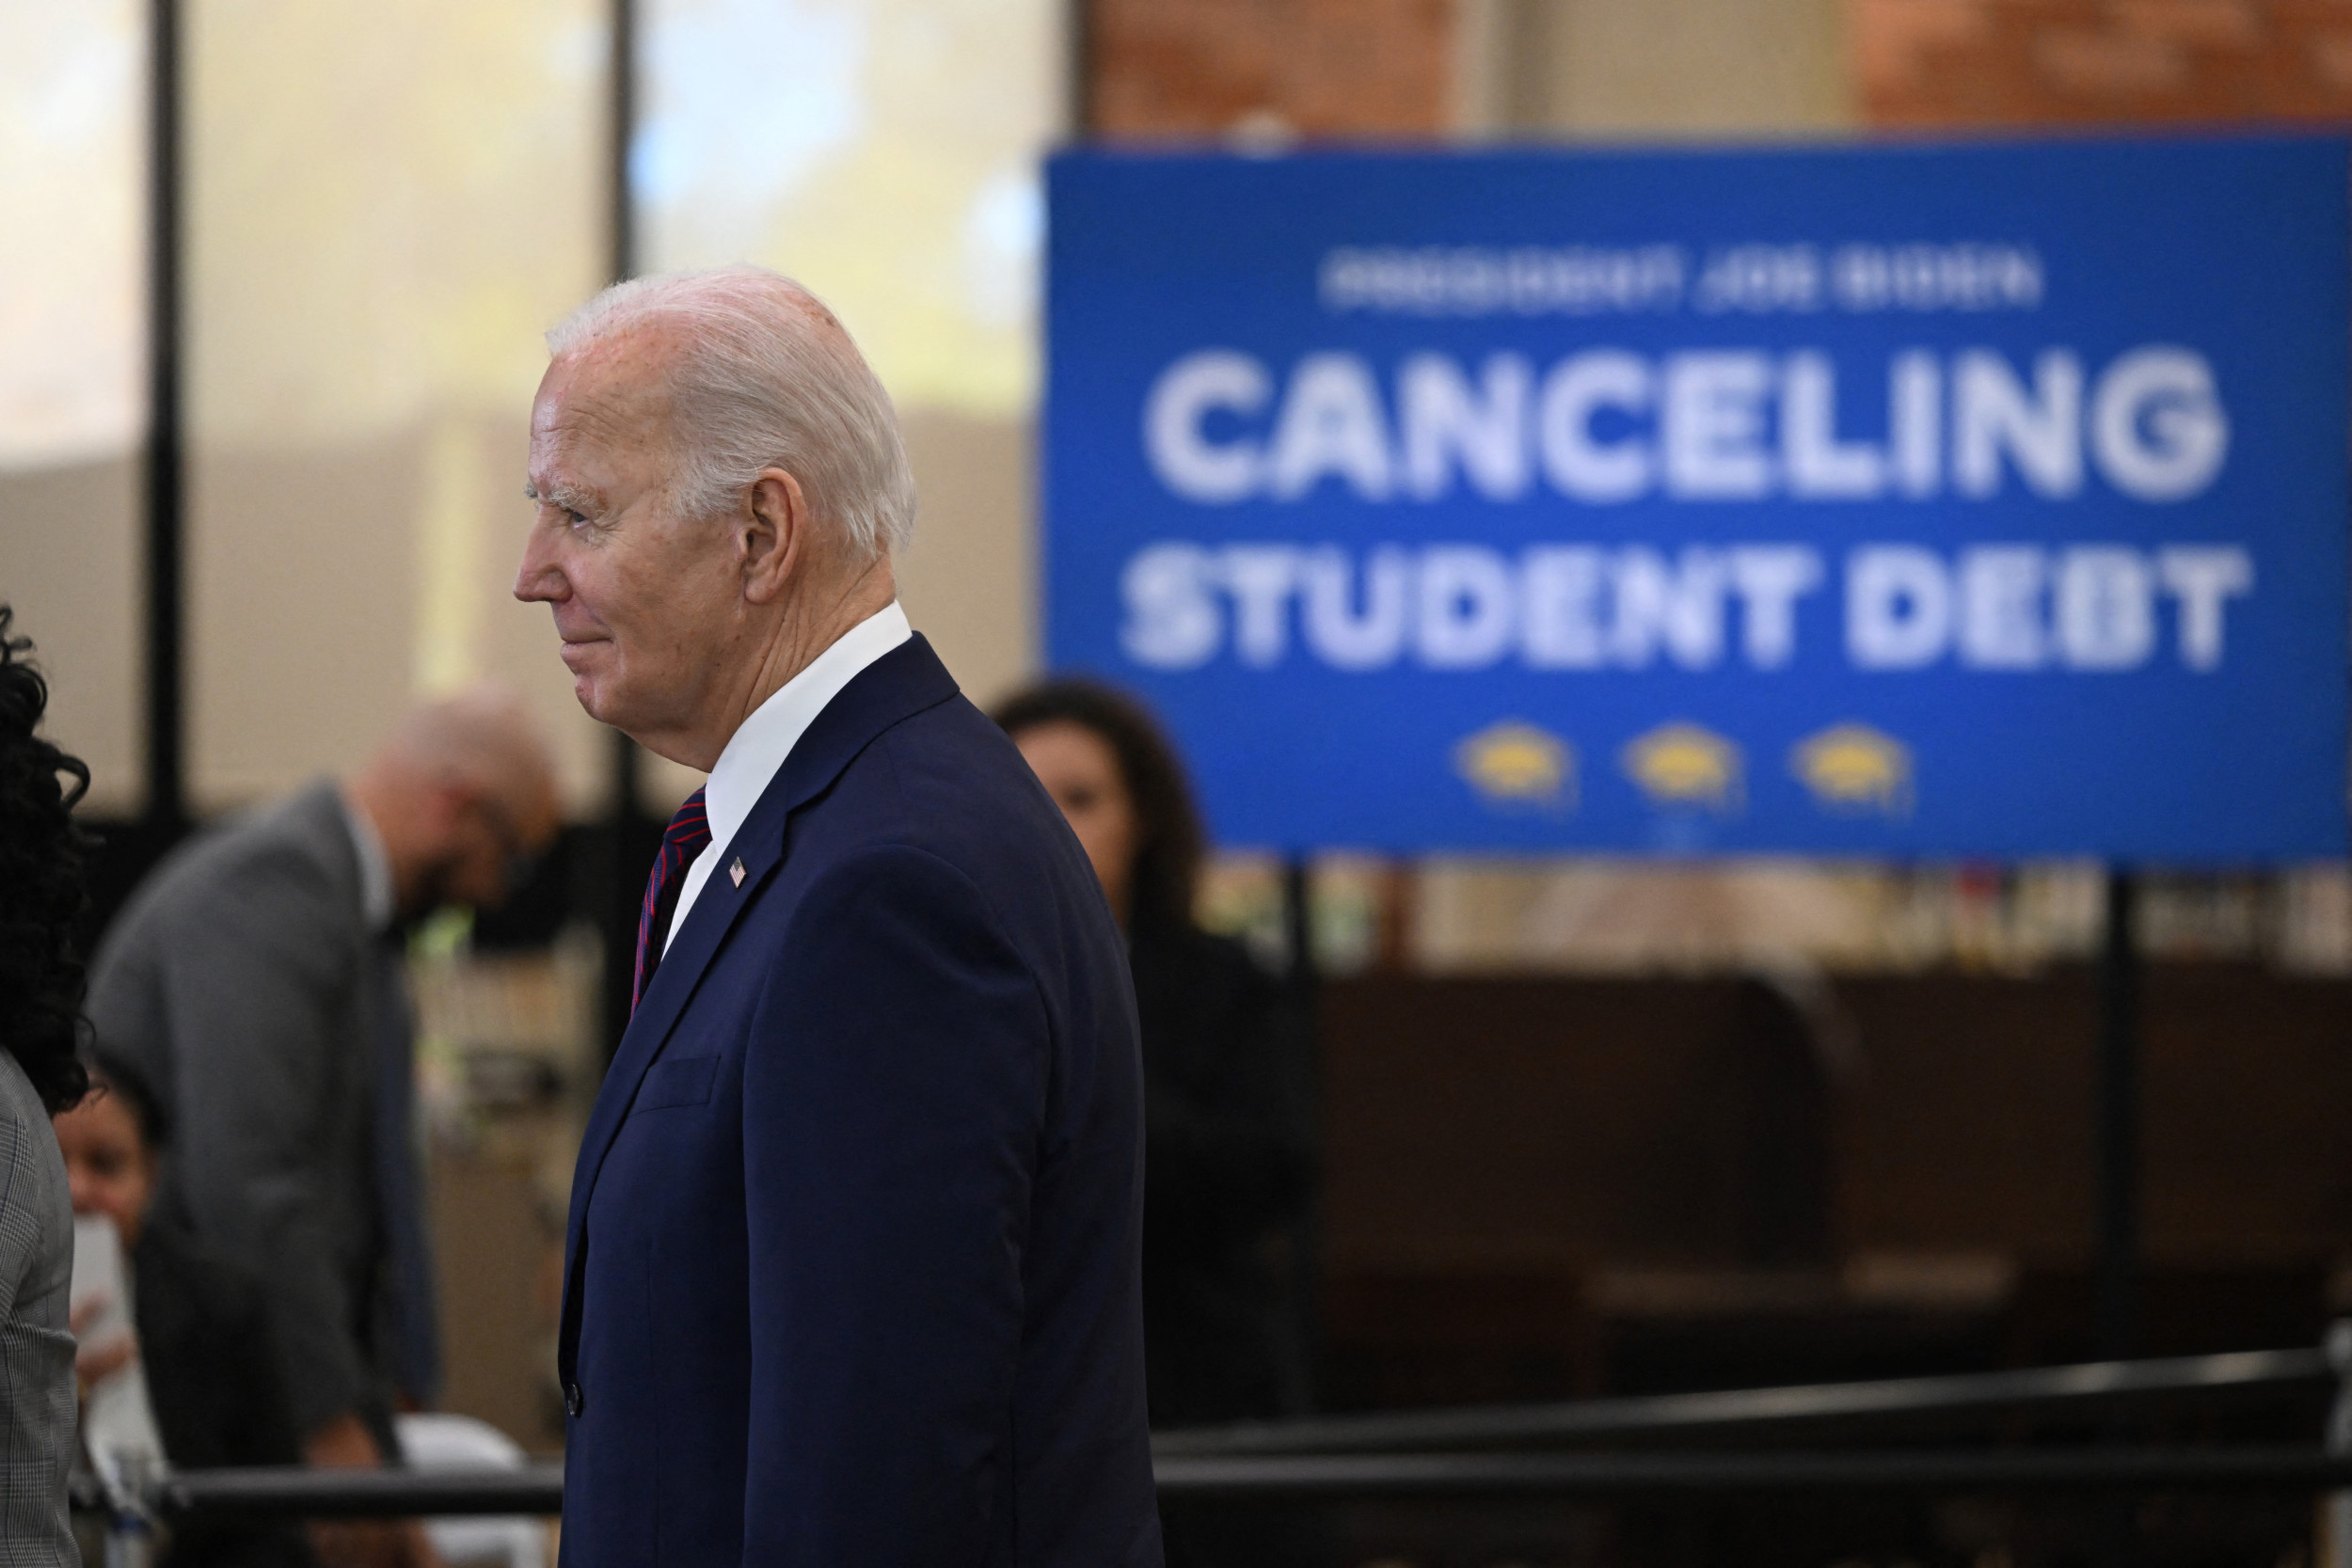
column 852, row 1268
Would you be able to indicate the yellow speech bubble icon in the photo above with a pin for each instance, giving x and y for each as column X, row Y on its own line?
column 1854, row 768
column 1687, row 765
column 1513, row 763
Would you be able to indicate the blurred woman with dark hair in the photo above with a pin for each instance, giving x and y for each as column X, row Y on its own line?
column 1229, row 1128
column 41, row 1072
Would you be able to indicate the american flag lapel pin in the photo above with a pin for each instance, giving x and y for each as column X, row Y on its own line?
column 736, row 871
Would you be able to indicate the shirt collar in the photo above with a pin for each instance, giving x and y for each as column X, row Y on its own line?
column 376, row 871
column 760, row 744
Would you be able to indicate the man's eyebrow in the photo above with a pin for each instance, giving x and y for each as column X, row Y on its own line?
column 558, row 494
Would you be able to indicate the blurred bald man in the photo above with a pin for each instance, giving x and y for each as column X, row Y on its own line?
column 256, row 980
column 853, row 1249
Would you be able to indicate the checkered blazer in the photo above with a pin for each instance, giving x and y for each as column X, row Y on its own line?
column 37, row 1405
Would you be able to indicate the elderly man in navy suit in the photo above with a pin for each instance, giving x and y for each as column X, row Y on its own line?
column 852, row 1263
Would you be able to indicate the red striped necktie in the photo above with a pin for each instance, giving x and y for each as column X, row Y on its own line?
column 688, row 835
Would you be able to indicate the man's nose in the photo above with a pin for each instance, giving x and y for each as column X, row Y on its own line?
column 538, row 578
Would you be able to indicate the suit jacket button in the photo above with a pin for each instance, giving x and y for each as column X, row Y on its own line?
column 574, row 1400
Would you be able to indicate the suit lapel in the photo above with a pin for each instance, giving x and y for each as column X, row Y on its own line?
column 896, row 686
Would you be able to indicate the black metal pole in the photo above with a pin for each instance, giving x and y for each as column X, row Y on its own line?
column 2119, row 1120
column 166, row 765
column 622, row 250
column 625, row 867
column 1300, row 1375
column 1299, row 922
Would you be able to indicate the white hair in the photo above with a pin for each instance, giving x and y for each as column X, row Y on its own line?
column 769, row 378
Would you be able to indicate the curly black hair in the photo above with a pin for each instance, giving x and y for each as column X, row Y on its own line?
column 1169, row 846
column 40, row 886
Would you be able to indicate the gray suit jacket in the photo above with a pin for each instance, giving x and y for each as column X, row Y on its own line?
column 36, row 1350
column 244, row 982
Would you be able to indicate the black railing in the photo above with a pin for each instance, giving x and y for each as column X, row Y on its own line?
column 2093, row 1386
column 539, row 1488
column 1483, row 1453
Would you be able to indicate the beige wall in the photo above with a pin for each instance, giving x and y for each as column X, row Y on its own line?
column 69, row 565
column 299, row 608
column 1605, row 70
column 970, row 582
column 309, row 624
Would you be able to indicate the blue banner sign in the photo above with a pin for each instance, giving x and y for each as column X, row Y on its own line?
column 1979, row 501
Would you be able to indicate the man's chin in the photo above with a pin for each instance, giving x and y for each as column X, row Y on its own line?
column 596, row 700
column 592, row 683
column 607, row 706
column 607, row 701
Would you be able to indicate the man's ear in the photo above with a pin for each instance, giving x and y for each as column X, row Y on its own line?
column 772, row 539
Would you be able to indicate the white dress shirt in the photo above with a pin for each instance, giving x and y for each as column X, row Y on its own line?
column 759, row 747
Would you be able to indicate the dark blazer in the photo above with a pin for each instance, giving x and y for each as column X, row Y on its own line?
column 205, row 1338
column 1229, row 1176
column 243, row 982
column 852, row 1267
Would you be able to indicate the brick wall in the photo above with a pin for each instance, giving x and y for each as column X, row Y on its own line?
column 1322, row 68
column 1930, row 63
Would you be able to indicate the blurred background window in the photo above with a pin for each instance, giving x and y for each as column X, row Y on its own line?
column 386, row 207
column 72, row 268
column 897, row 176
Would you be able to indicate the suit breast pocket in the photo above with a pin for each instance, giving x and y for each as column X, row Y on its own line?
column 677, row 1080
